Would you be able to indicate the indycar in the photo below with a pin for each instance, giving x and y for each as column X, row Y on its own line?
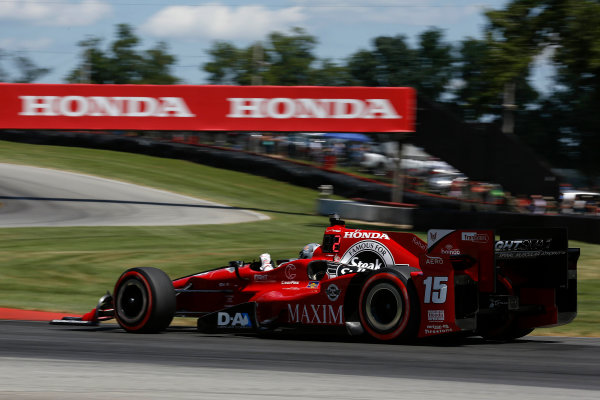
column 389, row 286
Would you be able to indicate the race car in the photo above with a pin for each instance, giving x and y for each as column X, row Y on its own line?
column 389, row 286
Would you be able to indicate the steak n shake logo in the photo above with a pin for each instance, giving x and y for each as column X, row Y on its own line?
column 366, row 255
column 286, row 108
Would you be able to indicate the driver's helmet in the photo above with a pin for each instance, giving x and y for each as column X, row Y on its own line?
column 308, row 250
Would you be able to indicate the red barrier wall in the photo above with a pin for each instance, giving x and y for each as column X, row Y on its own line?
column 212, row 108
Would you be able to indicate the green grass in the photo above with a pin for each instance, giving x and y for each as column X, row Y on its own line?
column 68, row 269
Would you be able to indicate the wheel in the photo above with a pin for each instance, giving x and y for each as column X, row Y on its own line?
column 144, row 300
column 388, row 307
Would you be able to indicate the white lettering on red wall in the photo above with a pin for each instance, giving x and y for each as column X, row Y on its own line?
column 206, row 108
column 98, row 106
column 285, row 108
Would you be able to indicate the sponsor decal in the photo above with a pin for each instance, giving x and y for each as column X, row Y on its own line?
column 333, row 292
column 100, row 106
column 286, row 108
column 313, row 284
column 238, row 320
column 366, row 255
column 419, row 243
column 435, row 315
column 449, row 250
column 290, row 283
column 523, row 245
column 261, row 278
column 224, row 284
column 475, row 237
column 437, row 329
column 435, row 235
column 365, row 235
column 290, row 272
column 525, row 248
column 434, row 260
column 315, row 314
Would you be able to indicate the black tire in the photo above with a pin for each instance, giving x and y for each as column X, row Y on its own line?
column 144, row 300
column 388, row 307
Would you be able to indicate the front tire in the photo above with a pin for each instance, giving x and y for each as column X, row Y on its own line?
column 144, row 300
column 388, row 308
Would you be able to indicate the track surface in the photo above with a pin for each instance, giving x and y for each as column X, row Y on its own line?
column 39, row 361
column 31, row 196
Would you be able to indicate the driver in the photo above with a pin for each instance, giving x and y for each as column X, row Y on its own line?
column 307, row 252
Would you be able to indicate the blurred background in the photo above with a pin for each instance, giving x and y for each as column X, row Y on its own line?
column 527, row 69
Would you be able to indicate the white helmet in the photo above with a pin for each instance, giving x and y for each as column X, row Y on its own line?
column 308, row 250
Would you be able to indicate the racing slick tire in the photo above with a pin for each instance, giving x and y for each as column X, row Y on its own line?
column 388, row 307
column 144, row 300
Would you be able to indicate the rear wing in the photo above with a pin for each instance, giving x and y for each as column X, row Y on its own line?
column 539, row 256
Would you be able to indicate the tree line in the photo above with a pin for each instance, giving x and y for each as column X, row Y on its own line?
column 480, row 79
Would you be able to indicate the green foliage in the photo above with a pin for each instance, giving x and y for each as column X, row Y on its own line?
column 28, row 70
column 392, row 62
column 284, row 59
column 123, row 63
column 289, row 58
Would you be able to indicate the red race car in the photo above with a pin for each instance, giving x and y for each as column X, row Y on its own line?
column 388, row 285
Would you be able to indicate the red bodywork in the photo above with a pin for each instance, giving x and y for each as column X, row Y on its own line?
column 457, row 281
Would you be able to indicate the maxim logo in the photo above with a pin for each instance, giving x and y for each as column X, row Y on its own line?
column 285, row 108
column 315, row 314
column 99, row 106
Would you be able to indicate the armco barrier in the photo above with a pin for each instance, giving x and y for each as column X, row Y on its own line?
column 432, row 212
column 366, row 212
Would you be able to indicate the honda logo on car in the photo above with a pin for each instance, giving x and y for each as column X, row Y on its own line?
column 100, row 106
column 315, row 314
column 365, row 235
column 285, row 108
column 239, row 320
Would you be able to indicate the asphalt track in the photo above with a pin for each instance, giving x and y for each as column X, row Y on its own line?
column 41, row 361
column 32, row 197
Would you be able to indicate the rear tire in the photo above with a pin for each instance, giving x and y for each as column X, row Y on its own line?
column 144, row 300
column 388, row 307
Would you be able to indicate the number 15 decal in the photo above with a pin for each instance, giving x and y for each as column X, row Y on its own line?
column 435, row 289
